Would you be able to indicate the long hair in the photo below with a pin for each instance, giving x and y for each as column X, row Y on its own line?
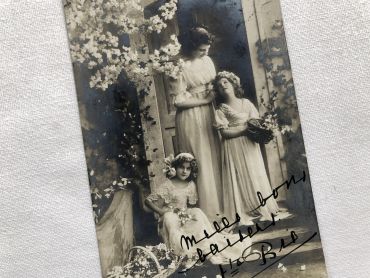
column 181, row 159
column 193, row 38
column 235, row 82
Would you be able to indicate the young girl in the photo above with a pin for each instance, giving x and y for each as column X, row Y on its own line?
column 178, row 221
column 243, row 170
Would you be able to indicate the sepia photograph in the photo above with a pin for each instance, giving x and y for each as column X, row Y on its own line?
column 193, row 140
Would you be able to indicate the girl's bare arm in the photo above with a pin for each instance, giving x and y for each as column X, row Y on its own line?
column 155, row 208
column 232, row 132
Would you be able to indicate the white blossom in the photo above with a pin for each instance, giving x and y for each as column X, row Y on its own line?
column 90, row 42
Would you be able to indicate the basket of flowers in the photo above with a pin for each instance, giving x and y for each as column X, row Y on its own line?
column 259, row 131
column 150, row 261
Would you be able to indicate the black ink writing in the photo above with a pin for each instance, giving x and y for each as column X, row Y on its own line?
column 265, row 254
column 275, row 192
column 214, row 248
column 191, row 241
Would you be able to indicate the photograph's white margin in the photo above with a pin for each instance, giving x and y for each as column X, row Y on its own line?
column 47, row 227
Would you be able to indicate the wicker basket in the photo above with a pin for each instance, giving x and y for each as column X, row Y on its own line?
column 153, row 262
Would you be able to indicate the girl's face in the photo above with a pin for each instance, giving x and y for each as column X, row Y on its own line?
column 225, row 87
column 183, row 171
column 201, row 51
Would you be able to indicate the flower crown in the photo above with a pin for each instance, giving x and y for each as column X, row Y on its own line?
column 187, row 156
column 230, row 76
column 171, row 171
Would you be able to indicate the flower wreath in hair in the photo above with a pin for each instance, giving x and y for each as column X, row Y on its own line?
column 169, row 161
column 230, row 76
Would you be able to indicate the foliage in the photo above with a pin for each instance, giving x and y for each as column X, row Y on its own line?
column 281, row 105
column 105, row 38
column 99, row 32
column 116, row 159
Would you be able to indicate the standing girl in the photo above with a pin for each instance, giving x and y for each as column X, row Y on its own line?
column 171, row 201
column 193, row 98
column 243, row 169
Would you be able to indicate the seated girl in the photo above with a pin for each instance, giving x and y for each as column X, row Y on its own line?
column 243, row 170
column 187, row 230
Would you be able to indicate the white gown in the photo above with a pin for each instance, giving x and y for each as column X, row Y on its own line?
column 195, row 133
column 243, row 169
column 172, row 229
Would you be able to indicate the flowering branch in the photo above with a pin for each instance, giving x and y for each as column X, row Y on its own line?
column 96, row 30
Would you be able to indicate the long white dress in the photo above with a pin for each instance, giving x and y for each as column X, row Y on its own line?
column 243, row 170
column 195, row 133
column 172, row 229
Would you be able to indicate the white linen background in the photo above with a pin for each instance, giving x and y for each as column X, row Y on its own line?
column 46, row 224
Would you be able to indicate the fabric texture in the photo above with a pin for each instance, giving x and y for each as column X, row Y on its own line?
column 47, row 227
column 243, row 170
column 328, row 48
column 172, row 228
column 172, row 196
column 195, row 134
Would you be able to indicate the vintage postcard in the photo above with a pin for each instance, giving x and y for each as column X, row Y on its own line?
column 193, row 141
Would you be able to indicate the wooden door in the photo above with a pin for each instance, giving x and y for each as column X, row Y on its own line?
column 258, row 17
column 166, row 109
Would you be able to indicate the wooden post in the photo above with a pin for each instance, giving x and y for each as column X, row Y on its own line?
column 253, row 15
column 152, row 129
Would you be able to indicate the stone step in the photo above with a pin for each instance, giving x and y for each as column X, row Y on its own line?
column 309, row 255
column 282, row 228
column 280, row 233
column 300, row 246
column 292, row 257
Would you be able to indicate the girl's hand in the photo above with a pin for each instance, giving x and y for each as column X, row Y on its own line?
column 210, row 97
column 246, row 130
column 164, row 210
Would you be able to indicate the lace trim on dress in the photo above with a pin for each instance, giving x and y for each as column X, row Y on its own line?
column 162, row 192
column 165, row 192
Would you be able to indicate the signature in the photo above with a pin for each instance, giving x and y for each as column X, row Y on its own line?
column 191, row 241
column 263, row 254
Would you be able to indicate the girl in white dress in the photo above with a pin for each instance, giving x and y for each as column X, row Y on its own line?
column 178, row 221
column 243, row 170
column 192, row 97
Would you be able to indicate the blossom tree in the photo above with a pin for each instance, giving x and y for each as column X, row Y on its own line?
column 97, row 31
column 101, row 34
column 104, row 40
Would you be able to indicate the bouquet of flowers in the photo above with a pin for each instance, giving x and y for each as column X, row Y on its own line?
column 184, row 216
